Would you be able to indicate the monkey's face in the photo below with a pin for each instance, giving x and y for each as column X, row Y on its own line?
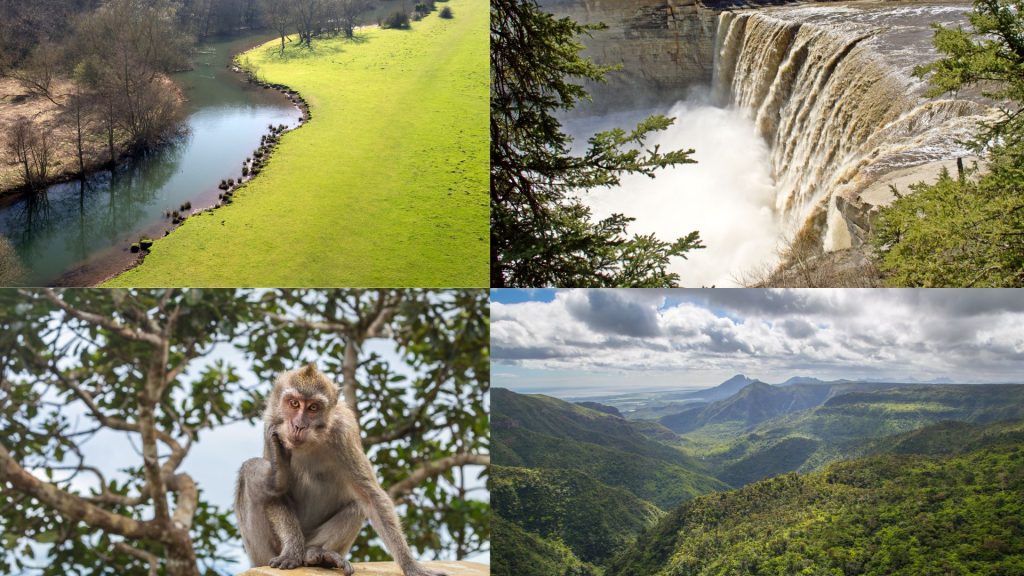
column 304, row 418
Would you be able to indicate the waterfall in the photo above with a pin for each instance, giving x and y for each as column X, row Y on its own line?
column 835, row 110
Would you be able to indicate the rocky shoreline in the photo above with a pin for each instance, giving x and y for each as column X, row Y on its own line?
column 96, row 272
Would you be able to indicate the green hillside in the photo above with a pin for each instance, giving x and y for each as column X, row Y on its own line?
column 516, row 552
column 883, row 515
column 846, row 424
column 593, row 520
column 543, row 432
column 561, row 419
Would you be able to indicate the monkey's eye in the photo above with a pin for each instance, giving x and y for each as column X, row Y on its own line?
column 294, row 403
column 314, row 407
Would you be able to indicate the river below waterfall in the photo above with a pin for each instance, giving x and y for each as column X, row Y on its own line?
column 79, row 233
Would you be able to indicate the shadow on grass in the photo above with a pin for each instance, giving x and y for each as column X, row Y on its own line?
column 321, row 47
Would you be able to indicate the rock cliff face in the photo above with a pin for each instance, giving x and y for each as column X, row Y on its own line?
column 830, row 89
column 376, row 569
column 665, row 47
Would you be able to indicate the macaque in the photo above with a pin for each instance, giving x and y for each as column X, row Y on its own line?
column 304, row 502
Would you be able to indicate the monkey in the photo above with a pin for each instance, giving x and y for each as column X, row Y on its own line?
column 304, row 502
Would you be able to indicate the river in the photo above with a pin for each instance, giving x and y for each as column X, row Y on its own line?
column 79, row 233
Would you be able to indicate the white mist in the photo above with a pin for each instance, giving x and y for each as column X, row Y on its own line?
column 728, row 196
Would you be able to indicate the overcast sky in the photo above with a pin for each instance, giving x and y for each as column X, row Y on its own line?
column 592, row 342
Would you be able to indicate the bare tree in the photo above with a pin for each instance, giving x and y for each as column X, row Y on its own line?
column 78, row 113
column 277, row 14
column 348, row 14
column 308, row 15
column 126, row 47
column 31, row 148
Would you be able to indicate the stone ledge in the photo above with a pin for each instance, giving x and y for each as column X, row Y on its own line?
column 377, row 569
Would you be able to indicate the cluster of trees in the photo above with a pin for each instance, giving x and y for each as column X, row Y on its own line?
column 104, row 65
column 968, row 229
column 575, row 486
column 106, row 74
column 311, row 18
column 542, row 234
column 577, row 492
column 894, row 515
column 166, row 367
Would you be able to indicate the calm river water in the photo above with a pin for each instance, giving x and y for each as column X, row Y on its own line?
column 79, row 233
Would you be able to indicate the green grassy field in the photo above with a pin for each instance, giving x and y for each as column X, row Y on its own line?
column 386, row 186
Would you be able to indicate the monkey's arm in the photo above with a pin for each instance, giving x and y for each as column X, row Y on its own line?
column 269, row 527
column 378, row 507
column 277, row 481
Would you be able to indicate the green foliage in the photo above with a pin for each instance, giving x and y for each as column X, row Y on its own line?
column 524, row 554
column 594, row 520
column 856, row 418
column 446, row 13
column 397, row 19
column 542, row 432
column 542, row 234
column 886, row 515
column 967, row 231
column 64, row 376
column 963, row 231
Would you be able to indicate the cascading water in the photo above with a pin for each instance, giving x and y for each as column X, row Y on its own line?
column 807, row 103
column 830, row 89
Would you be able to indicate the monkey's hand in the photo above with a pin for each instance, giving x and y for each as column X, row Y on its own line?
column 278, row 449
column 280, row 460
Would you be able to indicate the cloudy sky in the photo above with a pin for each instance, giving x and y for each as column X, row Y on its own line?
column 592, row 342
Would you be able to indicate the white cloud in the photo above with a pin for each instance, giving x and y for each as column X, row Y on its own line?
column 967, row 335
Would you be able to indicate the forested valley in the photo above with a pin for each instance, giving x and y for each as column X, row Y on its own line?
column 802, row 477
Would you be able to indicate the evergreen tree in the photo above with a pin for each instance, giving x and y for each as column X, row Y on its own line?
column 542, row 234
column 968, row 230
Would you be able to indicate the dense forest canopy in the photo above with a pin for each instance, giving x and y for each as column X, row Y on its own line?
column 804, row 477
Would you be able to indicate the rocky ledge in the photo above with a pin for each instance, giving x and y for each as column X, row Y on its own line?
column 377, row 569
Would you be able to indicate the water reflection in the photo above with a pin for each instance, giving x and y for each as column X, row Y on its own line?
column 75, row 223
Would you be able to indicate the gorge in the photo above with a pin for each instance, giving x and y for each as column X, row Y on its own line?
column 828, row 90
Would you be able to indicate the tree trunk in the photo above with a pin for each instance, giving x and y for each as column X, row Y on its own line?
column 81, row 153
column 110, row 133
column 181, row 557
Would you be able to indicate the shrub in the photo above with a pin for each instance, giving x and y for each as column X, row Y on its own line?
column 397, row 19
column 446, row 12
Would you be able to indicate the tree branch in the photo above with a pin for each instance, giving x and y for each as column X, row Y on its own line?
column 147, row 557
column 70, row 506
column 435, row 468
column 188, row 499
column 102, row 321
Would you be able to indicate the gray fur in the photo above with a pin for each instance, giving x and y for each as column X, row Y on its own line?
column 305, row 505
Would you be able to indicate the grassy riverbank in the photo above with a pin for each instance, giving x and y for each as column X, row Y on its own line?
column 386, row 186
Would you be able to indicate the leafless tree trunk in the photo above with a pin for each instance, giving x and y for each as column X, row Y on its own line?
column 31, row 148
